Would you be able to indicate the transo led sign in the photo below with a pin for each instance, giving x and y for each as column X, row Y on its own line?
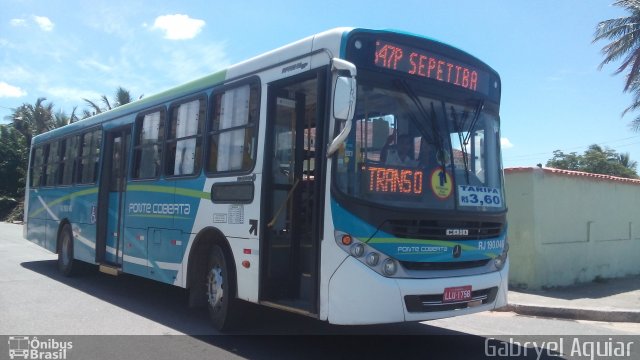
column 385, row 180
column 420, row 63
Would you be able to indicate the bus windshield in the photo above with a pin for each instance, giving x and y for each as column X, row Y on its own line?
column 413, row 150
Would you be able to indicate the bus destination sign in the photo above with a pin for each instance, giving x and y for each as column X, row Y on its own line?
column 421, row 63
column 386, row 180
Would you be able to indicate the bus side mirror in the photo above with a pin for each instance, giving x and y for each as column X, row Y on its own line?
column 344, row 100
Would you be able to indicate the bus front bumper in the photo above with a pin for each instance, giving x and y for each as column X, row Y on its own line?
column 359, row 296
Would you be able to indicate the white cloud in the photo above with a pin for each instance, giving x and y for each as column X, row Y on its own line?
column 44, row 22
column 7, row 90
column 93, row 64
column 178, row 26
column 18, row 22
column 505, row 143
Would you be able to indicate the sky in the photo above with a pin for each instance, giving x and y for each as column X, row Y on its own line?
column 554, row 97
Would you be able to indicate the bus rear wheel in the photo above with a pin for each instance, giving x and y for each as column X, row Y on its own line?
column 66, row 264
column 220, row 290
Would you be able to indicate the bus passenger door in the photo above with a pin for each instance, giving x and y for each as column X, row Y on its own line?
column 109, row 244
column 292, row 200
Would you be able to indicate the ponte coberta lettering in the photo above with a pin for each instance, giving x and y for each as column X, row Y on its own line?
column 159, row 209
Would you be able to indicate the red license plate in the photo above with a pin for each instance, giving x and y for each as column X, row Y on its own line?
column 458, row 293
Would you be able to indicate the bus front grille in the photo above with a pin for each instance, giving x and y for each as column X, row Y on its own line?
column 438, row 229
column 452, row 265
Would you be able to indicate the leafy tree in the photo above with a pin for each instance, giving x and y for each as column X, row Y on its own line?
column 561, row 160
column 624, row 34
column 625, row 160
column 60, row 118
column 31, row 120
column 13, row 161
column 27, row 121
column 122, row 97
column 596, row 160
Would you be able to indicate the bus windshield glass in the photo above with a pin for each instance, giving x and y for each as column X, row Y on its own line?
column 415, row 150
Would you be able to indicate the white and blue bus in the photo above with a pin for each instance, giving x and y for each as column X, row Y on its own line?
column 353, row 176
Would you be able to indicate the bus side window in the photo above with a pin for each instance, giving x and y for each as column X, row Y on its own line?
column 52, row 164
column 148, row 145
column 36, row 166
column 69, row 160
column 89, row 157
column 184, row 144
column 233, row 137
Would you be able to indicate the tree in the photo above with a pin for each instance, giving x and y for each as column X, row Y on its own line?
column 122, row 97
column 31, row 120
column 596, row 160
column 27, row 121
column 624, row 34
column 13, row 161
column 561, row 160
column 625, row 160
column 60, row 118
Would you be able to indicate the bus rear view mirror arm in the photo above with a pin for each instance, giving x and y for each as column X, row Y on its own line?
column 344, row 99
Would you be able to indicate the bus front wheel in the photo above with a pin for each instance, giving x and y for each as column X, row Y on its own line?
column 66, row 264
column 220, row 290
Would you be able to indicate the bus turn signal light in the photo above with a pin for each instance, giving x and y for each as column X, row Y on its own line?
column 347, row 240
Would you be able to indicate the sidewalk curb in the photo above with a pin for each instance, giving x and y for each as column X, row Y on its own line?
column 623, row 315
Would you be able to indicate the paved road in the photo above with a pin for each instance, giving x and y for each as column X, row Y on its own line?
column 35, row 300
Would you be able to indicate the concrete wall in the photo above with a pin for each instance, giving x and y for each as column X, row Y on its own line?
column 567, row 227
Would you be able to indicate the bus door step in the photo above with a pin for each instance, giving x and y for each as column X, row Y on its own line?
column 110, row 269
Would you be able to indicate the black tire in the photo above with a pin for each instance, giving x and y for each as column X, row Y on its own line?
column 220, row 290
column 66, row 264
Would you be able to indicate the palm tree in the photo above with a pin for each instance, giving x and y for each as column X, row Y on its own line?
column 635, row 105
column 122, row 97
column 625, row 160
column 624, row 34
column 31, row 120
column 60, row 118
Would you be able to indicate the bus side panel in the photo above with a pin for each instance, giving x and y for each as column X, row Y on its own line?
column 135, row 251
column 235, row 222
column 84, row 243
column 82, row 216
column 146, row 215
column 167, row 248
column 37, row 219
column 44, row 219
column 165, row 251
column 52, row 235
column 47, row 207
column 57, row 208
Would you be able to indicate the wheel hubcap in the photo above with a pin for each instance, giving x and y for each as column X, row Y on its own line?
column 215, row 292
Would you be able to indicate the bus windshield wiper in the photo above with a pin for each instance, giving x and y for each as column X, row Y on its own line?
column 429, row 117
column 460, row 128
column 474, row 122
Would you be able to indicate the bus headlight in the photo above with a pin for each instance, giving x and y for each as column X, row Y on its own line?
column 357, row 250
column 389, row 267
column 501, row 260
column 373, row 258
